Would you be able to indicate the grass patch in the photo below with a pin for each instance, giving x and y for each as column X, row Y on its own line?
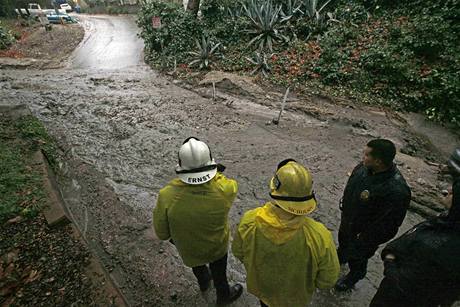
column 21, row 186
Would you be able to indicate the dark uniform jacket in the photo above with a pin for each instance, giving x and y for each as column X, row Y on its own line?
column 373, row 206
column 427, row 259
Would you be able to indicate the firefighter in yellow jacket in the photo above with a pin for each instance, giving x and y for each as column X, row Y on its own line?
column 192, row 212
column 286, row 254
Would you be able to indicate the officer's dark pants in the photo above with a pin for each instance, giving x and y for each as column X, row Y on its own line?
column 356, row 257
column 218, row 272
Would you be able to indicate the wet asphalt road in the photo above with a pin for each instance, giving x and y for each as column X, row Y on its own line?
column 119, row 125
column 110, row 42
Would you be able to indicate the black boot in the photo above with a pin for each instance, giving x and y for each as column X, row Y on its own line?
column 228, row 295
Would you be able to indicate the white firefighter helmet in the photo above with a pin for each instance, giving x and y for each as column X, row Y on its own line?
column 196, row 165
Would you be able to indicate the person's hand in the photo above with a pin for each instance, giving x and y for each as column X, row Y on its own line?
column 390, row 257
column 447, row 198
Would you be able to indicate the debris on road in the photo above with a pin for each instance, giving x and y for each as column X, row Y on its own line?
column 39, row 48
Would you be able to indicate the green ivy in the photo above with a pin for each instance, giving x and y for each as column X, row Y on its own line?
column 6, row 37
column 409, row 56
column 404, row 54
column 175, row 38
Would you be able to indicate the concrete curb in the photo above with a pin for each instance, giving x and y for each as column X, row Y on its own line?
column 57, row 215
column 55, row 212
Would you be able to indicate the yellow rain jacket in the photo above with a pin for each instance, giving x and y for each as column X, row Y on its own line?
column 195, row 217
column 285, row 258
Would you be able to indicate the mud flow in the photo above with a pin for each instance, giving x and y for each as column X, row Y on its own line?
column 119, row 125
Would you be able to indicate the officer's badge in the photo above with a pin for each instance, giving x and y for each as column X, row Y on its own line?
column 365, row 195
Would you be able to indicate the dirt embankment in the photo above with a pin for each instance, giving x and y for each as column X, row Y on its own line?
column 38, row 48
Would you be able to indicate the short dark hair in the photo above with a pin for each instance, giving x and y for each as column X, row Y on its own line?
column 383, row 149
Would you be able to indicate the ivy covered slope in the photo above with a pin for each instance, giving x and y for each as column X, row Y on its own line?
column 403, row 54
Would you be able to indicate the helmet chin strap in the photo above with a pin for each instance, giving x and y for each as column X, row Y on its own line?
column 197, row 170
column 294, row 199
column 278, row 185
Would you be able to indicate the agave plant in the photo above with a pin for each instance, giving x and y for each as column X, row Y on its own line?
column 261, row 63
column 266, row 23
column 235, row 13
column 291, row 8
column 204, row 53
column 314, row 8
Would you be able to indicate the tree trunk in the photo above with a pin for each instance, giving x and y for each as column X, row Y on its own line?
column 193, row 6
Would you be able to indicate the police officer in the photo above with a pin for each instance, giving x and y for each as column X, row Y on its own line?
column 422, row 267
column 373, row 206
column 192, row 212
column 286, row 253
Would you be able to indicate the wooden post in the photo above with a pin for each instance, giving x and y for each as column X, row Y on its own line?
column 276, row 121
column 213, row 90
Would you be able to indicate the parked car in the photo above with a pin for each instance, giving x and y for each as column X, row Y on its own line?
column 59, row 18
column 35, row 10
column 66, row 7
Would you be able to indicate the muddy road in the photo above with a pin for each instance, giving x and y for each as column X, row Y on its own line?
column 109, row 43
column 119, row 125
